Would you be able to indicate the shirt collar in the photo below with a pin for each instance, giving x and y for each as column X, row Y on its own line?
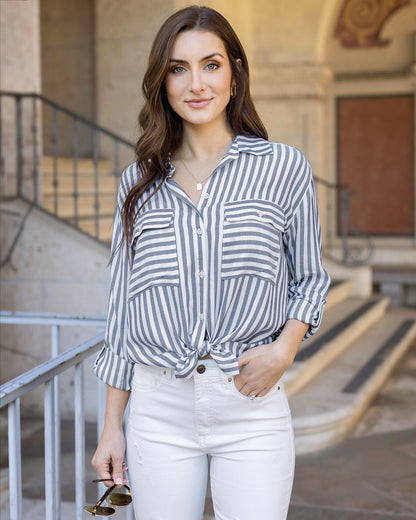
column 247, row 144
column 241, row 144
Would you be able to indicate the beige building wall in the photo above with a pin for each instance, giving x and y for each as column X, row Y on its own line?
column 20, row 71
column 124, row 31
column 67, row 59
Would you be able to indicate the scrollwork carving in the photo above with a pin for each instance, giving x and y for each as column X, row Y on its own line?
column 361, row 21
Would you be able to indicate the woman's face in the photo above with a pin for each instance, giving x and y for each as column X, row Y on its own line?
column 199, row 79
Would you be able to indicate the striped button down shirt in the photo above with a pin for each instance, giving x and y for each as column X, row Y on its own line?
column 218, row 278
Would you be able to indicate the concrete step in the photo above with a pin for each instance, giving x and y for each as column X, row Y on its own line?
column 85, row 166
column 341, row 326
column 327, row 409
column 85, row 185
column 105, row 227
column 338, row 292
column 86, row 203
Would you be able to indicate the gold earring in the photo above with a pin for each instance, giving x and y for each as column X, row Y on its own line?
column 233, row 92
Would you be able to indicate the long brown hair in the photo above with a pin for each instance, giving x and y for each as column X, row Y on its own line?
column 161, row 126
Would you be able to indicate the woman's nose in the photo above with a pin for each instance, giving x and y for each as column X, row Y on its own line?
column 197, row 83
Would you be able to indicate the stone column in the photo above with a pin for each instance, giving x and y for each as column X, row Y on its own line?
column 292, row 102
column 124, row 33
column 20, row 72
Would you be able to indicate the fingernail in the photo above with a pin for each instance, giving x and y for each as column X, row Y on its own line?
column 119, row 481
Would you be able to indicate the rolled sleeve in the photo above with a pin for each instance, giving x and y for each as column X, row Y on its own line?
column 113, row 369
column 308, row 282
column 112, row 364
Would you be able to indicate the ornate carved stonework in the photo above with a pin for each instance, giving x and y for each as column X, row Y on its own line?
column 361, row 21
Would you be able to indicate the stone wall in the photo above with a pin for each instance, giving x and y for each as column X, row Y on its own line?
column 52, row 268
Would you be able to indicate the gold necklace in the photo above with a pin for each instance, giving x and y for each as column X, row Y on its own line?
column 198, row 184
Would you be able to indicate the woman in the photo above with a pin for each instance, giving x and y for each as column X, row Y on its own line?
column 216, row 279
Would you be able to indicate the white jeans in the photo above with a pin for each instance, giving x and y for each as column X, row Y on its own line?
column 176, row 424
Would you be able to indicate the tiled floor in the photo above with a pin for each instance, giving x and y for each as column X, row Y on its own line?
column 370, row 476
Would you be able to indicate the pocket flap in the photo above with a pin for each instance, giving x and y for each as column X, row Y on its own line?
column 258, row 210
column 152, row 219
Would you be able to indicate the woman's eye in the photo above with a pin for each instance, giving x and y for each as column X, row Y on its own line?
column 177, row 69
column 212, row 66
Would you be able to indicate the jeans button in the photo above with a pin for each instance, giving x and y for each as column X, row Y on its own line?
column 200, row 369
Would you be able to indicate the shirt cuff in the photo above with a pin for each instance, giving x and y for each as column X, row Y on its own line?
column 113, row 370
column 305, row 311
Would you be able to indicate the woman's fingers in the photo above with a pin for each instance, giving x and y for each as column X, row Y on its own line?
column 109, row 456
column 103, row 469
column 118, row 477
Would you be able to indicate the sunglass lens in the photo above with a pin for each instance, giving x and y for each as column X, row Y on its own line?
column 100, row 510
column 119, row 499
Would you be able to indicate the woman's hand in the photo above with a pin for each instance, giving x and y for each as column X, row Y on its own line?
column 109, row 456
column 261, row 367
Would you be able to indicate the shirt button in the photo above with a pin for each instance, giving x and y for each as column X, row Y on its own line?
column 201, row 274
column 200, row 369
column 201, row 317
column 199, row 231
column 260, row 213
column 206, row 195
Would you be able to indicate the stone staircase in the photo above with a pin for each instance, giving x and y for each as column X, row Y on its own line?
column 339, row 371
column 107, row 184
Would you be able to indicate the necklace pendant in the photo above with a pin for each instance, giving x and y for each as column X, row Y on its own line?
column 199, row 186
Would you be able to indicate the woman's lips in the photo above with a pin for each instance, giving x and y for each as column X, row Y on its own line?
column 198, row 103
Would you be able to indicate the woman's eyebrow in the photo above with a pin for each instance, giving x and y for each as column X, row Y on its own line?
column 202, row 59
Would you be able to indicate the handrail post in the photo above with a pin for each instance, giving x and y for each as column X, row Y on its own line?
column 19, row 145
column 79, row 440
column 35, row 153
column 55, row 159
column 75, row 169
column 15, row 461
column 345, row 218
column 50, row 497
column 55, row 348
column 96, row 184
column 101, row 405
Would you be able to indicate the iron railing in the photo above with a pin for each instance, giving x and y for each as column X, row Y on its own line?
column 353, row 252
column 78, row 124
column 338, row 197
column 47, row 374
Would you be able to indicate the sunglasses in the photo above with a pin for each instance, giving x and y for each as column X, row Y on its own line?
column 112, row 498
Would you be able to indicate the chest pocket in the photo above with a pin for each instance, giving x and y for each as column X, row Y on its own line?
column 155, row 259
column 252, row 236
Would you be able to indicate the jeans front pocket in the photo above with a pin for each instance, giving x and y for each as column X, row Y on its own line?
column 155, row 260
column 276, row 388
column 148, row 377
column 252, row 238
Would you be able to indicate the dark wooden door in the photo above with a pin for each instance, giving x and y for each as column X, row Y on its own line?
column 376, row 160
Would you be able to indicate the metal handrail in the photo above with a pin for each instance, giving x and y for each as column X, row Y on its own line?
column 68, row 112
column 72, row 197
column 46, row 371
column 48, row 374
column 353, row 254
column 51, row 318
